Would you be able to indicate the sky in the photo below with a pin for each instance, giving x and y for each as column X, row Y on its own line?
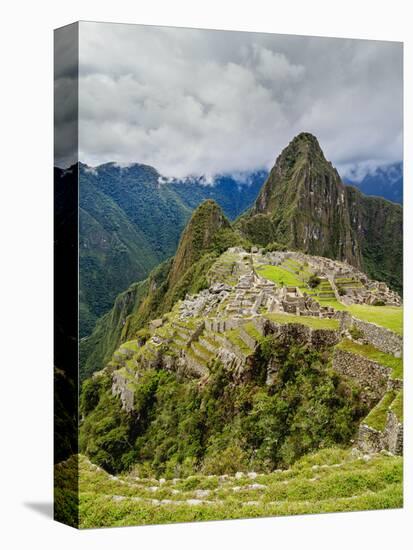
column 202, row 102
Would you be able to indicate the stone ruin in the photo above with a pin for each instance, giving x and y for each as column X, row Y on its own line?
column 249, row 296
column 358, row 290
column 250, row 293
column 205, row 301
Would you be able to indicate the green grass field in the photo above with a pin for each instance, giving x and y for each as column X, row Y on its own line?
column 330, row 480
column 377, row 417
column 281, row 276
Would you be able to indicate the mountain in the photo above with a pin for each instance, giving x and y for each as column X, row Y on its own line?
column 207, row 234
column 131, row 219
column 304, row 205
column 385, row 181
column 198, row 237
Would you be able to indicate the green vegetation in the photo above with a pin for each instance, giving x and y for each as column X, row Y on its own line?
column 178, row 426
column 234, row 337
column 284, row 414
column 330, row 480
column 355, row 332
column 129, row 224
column 279, row 275
column 206, row 237
column 371, row 237
column 397, row 406
column 377, row 417
column 313, row 281
column 390, row 317
column 372, row 353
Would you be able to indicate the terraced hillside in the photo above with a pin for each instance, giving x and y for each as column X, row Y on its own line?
column 330, row 480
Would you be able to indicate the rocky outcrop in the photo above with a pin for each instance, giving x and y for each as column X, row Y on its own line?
column 121, row 388
column 198, row 236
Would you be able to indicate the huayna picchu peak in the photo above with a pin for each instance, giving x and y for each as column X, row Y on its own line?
column 304, row 205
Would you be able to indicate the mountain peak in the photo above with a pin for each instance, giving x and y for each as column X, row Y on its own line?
column 304, row 205
column 199, row 236
column 303, row 146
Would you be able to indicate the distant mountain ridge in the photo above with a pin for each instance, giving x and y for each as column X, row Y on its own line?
column 131, row 219
column 303, row 204
column 385, row 181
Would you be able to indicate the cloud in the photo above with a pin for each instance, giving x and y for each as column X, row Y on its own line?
column 205, row 102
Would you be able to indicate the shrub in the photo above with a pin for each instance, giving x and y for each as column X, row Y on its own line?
column 342, row 291
column 143, row 336
column 230, row 460
column 355, row 332
column 275, row 247
column 313, row 281
column 229, row 424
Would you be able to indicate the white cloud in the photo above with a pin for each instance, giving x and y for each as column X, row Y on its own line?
column 204, row 102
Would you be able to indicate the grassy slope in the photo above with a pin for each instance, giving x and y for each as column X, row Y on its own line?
column 280, row 276
column 328, row 481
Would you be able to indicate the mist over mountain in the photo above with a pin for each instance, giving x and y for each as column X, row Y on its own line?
column 385, row 181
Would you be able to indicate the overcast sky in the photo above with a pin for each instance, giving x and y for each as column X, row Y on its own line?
column 204, row 102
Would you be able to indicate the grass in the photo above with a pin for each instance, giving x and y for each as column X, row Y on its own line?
column 280, row 276
column 377, row 417
column 234, row 337
column 131, row 345
column 330, row 480
column 390, row 317
column 312, row 322
column 252, row 331
column 397, row 406
column 372, row 353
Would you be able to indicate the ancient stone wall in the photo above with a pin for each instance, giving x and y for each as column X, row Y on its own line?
column 390, row 439
column 369, row 440
column 393, row 434
column 324, row 337
column 380, row 337
column 302, row 334
column 372, row 377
